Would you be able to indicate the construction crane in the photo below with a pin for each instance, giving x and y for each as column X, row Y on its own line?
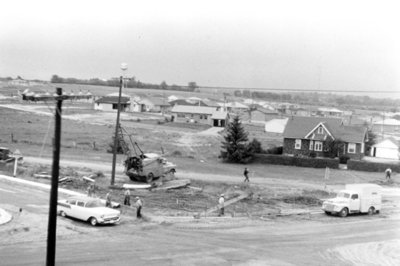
column 140, row 166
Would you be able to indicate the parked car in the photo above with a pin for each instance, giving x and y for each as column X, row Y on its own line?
column 356, row 198
column 88, row 209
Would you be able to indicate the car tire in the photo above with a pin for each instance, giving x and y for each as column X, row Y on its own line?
column 93, row 221
column 149, row 178
column 344, row 212
column 63, row 214
column 371, row 210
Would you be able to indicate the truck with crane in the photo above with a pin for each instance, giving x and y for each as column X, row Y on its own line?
column 140, row 166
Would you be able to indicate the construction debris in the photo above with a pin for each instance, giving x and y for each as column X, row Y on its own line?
column 177, row 183
column 137, row 186
column 243, row 195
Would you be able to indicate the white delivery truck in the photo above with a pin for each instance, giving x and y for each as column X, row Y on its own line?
column 355, row 198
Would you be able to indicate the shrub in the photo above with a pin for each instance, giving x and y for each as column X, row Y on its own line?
column 274, row 150
column 343, row 159
column 297, row 161
column 371, row 167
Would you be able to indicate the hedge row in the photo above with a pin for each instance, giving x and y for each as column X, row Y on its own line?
column 371, row 167
column 297, row 161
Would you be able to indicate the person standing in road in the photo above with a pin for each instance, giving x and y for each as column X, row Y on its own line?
column 108, row 199
column 127, row 197
column 388, row 173
column 139, row 205
column 246, row 175
column 221, row 203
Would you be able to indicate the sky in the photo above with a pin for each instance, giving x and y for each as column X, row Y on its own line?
column 286, row 44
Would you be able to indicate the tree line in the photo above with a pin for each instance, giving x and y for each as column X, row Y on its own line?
column 130, row 83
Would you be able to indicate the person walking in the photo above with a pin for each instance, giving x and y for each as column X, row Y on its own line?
column 108, row 199
column 388, row 173
column 246, row 175
column 139, row 205
column 221, row 203
column 127, row 197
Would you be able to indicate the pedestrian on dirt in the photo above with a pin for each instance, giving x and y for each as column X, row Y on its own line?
column 246, row 175
column 388, row 173
column 108, row 199
column 139, row 205
column 127, row 197
column 221, row 203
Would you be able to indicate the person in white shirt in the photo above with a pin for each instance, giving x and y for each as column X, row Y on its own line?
column 221, row 202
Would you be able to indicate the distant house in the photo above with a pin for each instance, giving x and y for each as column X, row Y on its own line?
column 389, row 125
column 330, row 112
column 307, row 135
column 387, row 149
column 261, row 115
column 199, row 114
column 298, row 111
column 110, row 103
column 186, row 102
column 153, row 104
column 234, row 107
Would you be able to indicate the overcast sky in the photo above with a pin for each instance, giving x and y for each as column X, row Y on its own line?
column 303, row 44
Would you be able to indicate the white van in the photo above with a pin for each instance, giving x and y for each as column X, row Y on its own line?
column 355, row 198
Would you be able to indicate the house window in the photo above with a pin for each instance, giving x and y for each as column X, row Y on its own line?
column 318, row 146
column 201, row 116
column 351, row 148
column 297, row 144
column 181, row 115
column 311, row 145
column 320, row 130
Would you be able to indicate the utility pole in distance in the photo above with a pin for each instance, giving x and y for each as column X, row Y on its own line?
column 52, row 224
column 124, row 67
column 116, row 133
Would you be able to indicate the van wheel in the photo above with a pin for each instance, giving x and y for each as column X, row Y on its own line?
column 344, row 212
column 149, row 178
column 63, row 214
column 371, row 210
column 93, row 221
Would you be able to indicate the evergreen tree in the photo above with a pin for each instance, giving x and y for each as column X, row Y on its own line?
column 234, row 147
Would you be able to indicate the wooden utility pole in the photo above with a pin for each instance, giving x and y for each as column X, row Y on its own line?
column 116, row 133
column 52, row 224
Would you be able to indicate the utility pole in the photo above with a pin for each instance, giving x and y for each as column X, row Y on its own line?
column 52, row 224
column 116, row 133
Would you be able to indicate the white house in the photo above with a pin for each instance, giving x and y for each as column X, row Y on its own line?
column 387, row 148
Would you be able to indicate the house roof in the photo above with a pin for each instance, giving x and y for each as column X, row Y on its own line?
column 185, row 102
column 219, row 115
column 276, row 125
column 388, row 143
column 112, row 100
column 299, row 127
column 265, row 111
column 155, row 101
column 193, row 109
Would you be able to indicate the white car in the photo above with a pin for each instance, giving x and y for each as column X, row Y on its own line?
column 88, row 209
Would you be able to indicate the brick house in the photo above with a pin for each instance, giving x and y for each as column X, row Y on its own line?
column 307, row 135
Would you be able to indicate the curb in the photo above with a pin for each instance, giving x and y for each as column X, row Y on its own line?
column 5, row 217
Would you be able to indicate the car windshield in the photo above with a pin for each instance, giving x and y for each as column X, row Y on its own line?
column 343, row 195
column 94, row 204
